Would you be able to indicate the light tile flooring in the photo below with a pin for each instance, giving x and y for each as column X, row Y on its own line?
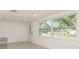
column 22, row 45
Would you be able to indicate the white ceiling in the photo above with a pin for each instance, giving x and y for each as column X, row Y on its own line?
column 26, row 15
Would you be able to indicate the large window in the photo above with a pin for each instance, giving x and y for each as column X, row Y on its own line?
column 63, row 26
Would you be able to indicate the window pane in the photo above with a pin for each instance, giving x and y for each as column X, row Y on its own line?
column 45, row 28
column 64, row 26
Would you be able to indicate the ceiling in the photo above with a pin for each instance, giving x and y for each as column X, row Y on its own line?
column 26, row 15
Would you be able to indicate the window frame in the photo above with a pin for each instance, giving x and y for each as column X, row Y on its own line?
column 51, row 18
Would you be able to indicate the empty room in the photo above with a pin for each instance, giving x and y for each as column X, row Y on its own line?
column 39, row 29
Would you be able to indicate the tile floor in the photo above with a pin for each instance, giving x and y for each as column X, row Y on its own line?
column 21, row 45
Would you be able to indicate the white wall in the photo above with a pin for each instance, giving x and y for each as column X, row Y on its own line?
column 15, row 31
column 54, row 42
